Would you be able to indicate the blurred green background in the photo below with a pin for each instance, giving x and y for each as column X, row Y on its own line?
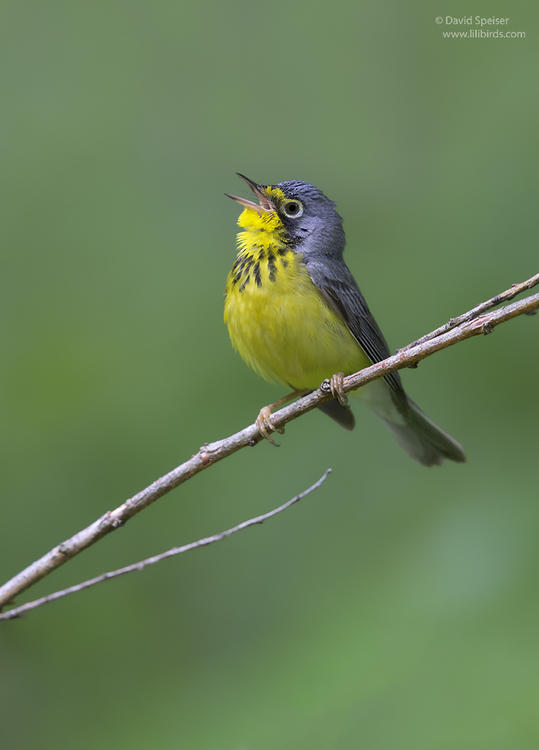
column 395, row 608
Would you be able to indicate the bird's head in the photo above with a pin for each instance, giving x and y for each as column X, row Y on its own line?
column 297, row 213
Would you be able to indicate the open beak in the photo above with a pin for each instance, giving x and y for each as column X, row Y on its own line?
column 264, row 202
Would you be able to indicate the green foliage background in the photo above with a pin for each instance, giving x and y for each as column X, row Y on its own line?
column 396, row 608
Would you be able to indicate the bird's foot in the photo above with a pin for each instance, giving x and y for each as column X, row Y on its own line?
column 264, row 422
column 336, row 388
column 265, row 425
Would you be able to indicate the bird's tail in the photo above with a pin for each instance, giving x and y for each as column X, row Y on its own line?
column 420, row 437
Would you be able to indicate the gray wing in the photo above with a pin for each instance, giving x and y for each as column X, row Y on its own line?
column 340, row 290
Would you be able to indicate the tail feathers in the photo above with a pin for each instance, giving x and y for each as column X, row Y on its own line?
column 414, row 431
column 422, row 439
column 341, row 414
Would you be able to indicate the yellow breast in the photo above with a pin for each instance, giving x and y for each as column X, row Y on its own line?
column 277, row 318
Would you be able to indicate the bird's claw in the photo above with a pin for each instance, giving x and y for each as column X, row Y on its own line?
column 336, row 388
column 265, row 425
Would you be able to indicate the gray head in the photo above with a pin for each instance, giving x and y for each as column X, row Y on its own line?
column 310, row 220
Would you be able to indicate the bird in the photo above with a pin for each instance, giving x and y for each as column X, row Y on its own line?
column 296, row 315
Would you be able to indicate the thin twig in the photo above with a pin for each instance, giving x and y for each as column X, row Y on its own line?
column 476, row 311
column 211, row 453
column 17, row 611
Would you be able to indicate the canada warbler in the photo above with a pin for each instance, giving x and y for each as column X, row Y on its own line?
column 296, row 315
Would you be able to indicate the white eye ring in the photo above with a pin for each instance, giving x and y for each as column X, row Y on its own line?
column 297, row 209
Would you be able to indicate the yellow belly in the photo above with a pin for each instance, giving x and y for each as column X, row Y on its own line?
column 280, row 323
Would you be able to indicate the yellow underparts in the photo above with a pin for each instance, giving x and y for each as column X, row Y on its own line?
column 277, row 319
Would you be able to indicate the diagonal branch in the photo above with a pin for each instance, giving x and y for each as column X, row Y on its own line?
column 476, row 311
column 141, row 564
column 211, row 453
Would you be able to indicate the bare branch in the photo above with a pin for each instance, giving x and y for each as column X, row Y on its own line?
column 476, row 311
column 210, row 453
column 17, row 611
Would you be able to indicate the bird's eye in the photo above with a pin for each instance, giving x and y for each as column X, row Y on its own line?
column 292, row 209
